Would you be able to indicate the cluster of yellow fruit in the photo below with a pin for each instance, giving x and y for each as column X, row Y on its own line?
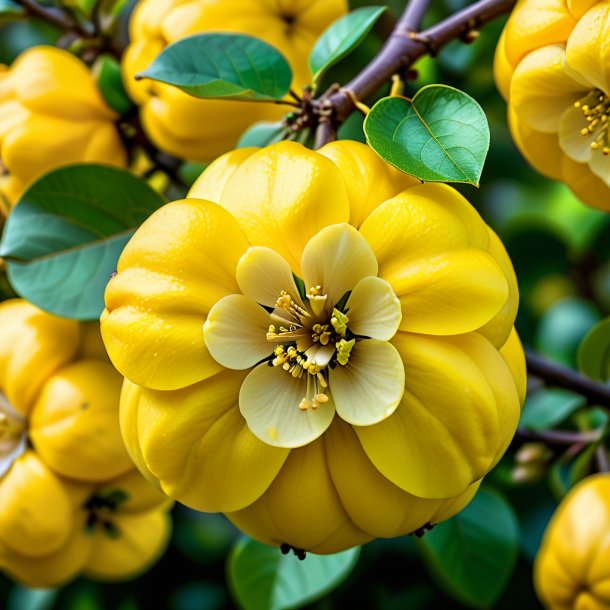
column 71, row 501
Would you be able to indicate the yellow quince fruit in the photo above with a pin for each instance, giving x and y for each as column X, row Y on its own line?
column 197, row 129
column 572, row 568
column 552, row 65
column 52, row 114
column 358, row 371
column 61, row 451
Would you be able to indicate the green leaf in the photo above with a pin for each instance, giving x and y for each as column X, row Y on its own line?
column 473, row 554
column 107, row 72
column 62, row 240
column 11, row 10
column 20, row 598
column 568, row 470
column 594, row 352
column 225, row 66
column 441, row 135
column 547, row 408
column 261, row 134
column 340, row 38
column 262, row 578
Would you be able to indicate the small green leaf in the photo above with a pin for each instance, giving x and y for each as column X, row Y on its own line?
column 340, row 38
column 261, row 134
column 594, row 352
column 441, row 135
column 225, row 66
column 11, row 10
column 262, row 578
column 32, row 599
column 547, row 408
column 473, row 554
column 107, row 72
column 568, row 470
column 62, row 240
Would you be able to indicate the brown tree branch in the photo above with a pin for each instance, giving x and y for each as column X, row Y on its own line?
column 55, row 17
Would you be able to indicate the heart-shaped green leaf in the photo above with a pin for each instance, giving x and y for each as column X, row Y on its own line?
column 227, row 66
column 473, row 554
column 441, row 135
column 261, row 578
column 62, row 240
column 340, row 38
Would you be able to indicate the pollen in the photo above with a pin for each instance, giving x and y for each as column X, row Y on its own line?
column 596, row 110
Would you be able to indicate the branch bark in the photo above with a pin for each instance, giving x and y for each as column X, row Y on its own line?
column 560, row 376
column 405, row 46
column 55, row 17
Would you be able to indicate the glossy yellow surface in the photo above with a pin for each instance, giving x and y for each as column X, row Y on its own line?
column 552, row 55
column 52, row 114
column 572, row 568
column 59, row 393
column 198, row 129
column 463, row 363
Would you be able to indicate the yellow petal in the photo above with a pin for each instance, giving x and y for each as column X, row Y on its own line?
column 588, row 48
column 534, row 24
column 600, row 166
column 585, row 184
column 571, row 141
column 512, row 352
column 269, row 399
column 178, row 264
column 444, row 434
column 579, row 7
column 142, row 539
column 337, row 258
column 13, row 440
column 499, row 328
column 454, row 505
column 34, row 345
column 202, row 452
column 262, row 274
column 35, row 510
column 455, row 293
column 74, row 424
column 212, row 181
column 283, row 195
column 373, row 309
column 503, row 70
column 543, row 87
column 141, row 495
column 369, row 180
column 235, row 332
column 301, row 507
column 369, row 387
column 541, row 150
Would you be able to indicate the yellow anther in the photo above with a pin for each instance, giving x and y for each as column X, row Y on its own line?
column 339, row 321
column 321, row 398
column 314, row 291
column 271, row 329
column 304, row 404
column 344, row 349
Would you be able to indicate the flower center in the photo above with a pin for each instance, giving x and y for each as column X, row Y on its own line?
column 596, row 109
column 310, row 341
column 12, row 434
column 101, row 508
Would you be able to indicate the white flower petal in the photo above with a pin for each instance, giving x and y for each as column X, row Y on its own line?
column 269, row 400
column 337, row 258
column 571, row 141
column 262, row 274
column 373, row 309
column 12, row 446
column 235, row 332
column 369, row 387
column 600, row 165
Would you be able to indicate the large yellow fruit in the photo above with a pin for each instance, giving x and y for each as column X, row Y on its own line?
column 552, row 65
column 198, row 129
column 70, row 497
column 572, row 568
column 364, row 400
column 52, row 114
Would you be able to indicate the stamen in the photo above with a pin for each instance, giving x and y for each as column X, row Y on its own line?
column 339, row 321
column 596, row 109
column 344, row 349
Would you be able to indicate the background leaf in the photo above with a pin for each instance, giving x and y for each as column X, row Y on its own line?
column 62, row 240
column 594, row 352
column 340, row 38
column 473, row 554
column 263, row 579
column 261, row 134
column 548, row 407
column 440, row 135
column 227, row 66
column 107, row 72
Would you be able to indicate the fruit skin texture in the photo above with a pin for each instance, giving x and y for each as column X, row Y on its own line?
column 551, row 55
column 572, row 568
column 200, row 130
column 183, row 415
column 52, row 114
column 61, row 393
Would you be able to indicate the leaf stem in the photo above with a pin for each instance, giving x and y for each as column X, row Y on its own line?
column 557, row 375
